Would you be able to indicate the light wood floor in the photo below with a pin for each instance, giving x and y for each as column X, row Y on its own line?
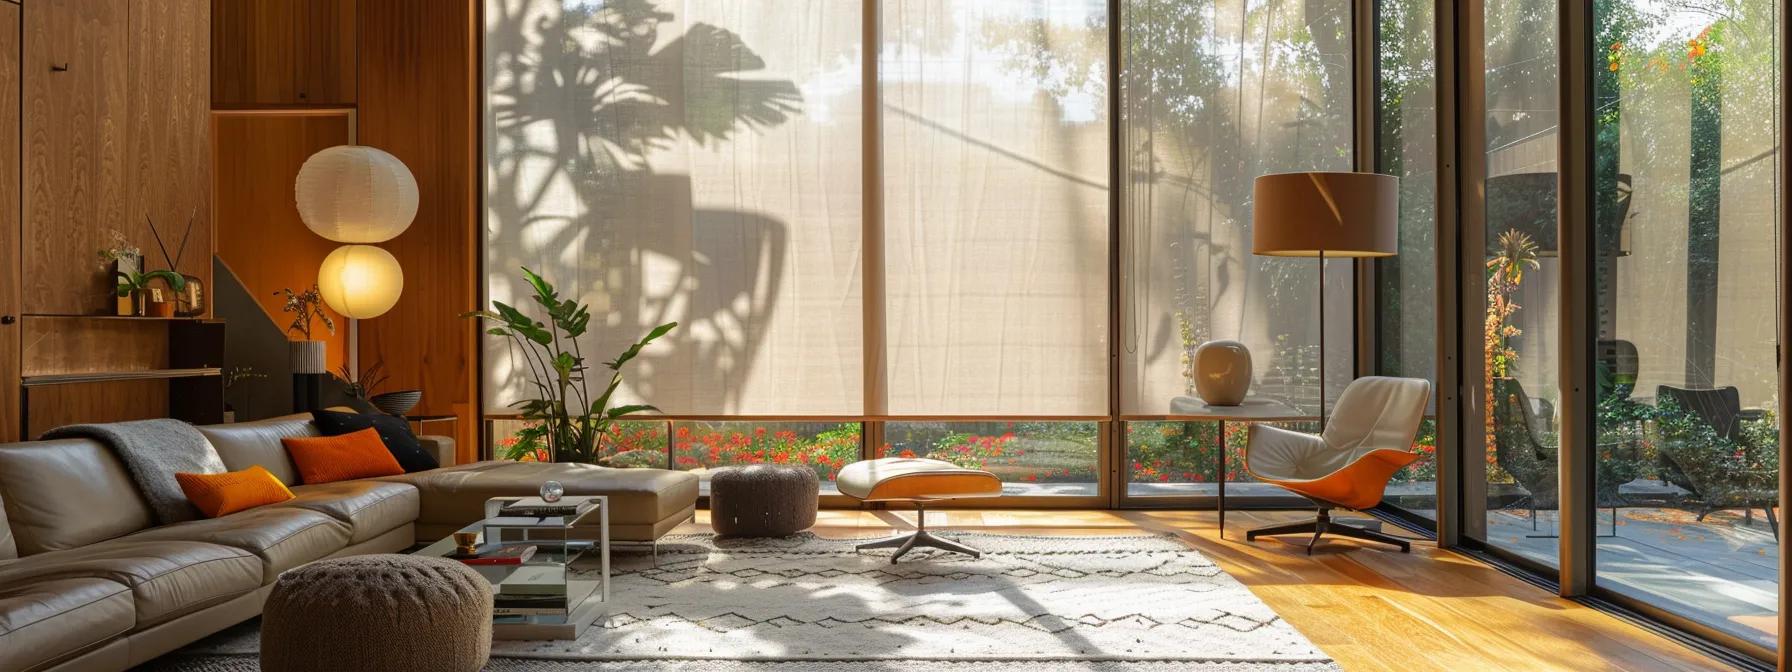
column 1371, row 609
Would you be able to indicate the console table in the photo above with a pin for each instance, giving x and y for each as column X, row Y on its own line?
column 1192, row 409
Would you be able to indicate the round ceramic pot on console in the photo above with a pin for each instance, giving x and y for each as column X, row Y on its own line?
column 1222, row 372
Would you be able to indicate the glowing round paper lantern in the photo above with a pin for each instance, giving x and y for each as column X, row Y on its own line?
column 356, row 194
column 360, row 281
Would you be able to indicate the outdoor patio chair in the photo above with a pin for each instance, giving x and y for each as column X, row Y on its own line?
column 1704, row 451
column 1528, row 452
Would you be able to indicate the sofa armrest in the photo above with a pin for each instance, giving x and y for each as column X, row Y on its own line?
column 440, row 447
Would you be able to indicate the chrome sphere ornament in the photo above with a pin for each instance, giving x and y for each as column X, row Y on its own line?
column 551, row 491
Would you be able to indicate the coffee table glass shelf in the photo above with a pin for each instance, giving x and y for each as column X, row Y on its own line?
column 538, row 598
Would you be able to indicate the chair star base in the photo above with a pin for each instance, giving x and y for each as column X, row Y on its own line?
column 1319, row 526
column 920, row 539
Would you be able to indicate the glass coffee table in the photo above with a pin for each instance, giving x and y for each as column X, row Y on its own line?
column 538, row 598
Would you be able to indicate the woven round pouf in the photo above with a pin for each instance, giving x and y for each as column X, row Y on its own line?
column 377, row 612
column 762, row 500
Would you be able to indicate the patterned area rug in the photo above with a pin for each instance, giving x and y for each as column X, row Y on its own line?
column 802, row 603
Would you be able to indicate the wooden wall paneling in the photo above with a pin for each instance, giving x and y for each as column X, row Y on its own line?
column 9, row 222
column 74, row 65
column 327, row 69
column 283, row 52
column 418, row 90
column 53, row 406
column 170, row 157
column 260, row 237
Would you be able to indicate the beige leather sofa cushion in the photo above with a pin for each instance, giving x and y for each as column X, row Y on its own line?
column 42, row 621
column 456, row 495
column 166, row 578
column 67, row 493
column 246, row 444
column 283, row 537
column 370, row 508
column 8, row 548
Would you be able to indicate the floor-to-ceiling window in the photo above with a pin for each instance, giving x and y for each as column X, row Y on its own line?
column 1517, row 332
column 1216, row 93
column 995, row 219
column 697, row 162
column 713, row 163
column 1406, row 283
column 1685, row 198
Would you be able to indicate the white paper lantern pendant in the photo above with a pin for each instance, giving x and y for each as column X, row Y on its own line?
column 360, row 281
column 356, row 194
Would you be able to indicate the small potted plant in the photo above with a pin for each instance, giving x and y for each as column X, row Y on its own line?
column 306, row 306
column 134, row 292
column 361, row 385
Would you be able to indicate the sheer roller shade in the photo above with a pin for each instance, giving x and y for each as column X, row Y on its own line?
column 1215, row 94
column 995, row 149
column 693, row 161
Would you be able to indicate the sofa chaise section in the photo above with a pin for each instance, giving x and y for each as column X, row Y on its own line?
column 645, row 504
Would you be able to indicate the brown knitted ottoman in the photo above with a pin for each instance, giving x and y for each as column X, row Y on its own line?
column 762, row 500
column 377, row 612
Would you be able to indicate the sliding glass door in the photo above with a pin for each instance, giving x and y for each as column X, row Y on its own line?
column 1684, row 279
column 1516, row 272
column 1680, row 276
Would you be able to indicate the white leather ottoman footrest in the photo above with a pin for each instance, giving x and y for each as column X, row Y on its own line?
column 918, row 481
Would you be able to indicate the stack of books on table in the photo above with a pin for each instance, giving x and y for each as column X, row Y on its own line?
column 497, row 554
column 536, row 507
column 531, row 591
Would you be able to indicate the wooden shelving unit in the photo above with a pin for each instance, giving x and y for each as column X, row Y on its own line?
column 107, row 376
column 107, row 368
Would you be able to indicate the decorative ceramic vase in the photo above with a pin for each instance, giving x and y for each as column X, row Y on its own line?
column 308, row 357
column 1222, row 372
column 128, row 304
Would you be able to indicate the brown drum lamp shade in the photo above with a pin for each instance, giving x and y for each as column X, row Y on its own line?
column 1325, row 215
column 1335, row 214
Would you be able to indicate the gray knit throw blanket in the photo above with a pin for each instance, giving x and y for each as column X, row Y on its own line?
column 154, row 451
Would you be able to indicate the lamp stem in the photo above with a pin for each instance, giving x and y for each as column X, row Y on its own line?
column 1322, row 341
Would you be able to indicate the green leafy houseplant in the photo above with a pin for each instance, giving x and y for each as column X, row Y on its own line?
column 131, row 282
column 570, row 420
column 134, row 293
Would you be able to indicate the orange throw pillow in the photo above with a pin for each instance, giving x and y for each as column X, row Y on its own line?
column 327, row 459
column 232, row 491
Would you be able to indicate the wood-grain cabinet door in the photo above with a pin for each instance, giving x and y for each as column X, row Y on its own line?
column 283, row 52
column 10, row 324
column 169, row 133
column 73, row 66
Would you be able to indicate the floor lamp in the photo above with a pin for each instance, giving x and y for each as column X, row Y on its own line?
column 1319, row 214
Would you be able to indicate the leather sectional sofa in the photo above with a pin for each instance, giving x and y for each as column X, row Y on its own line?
column 88, row 582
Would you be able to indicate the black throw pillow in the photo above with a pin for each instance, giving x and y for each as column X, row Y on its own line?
column 393, row 431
